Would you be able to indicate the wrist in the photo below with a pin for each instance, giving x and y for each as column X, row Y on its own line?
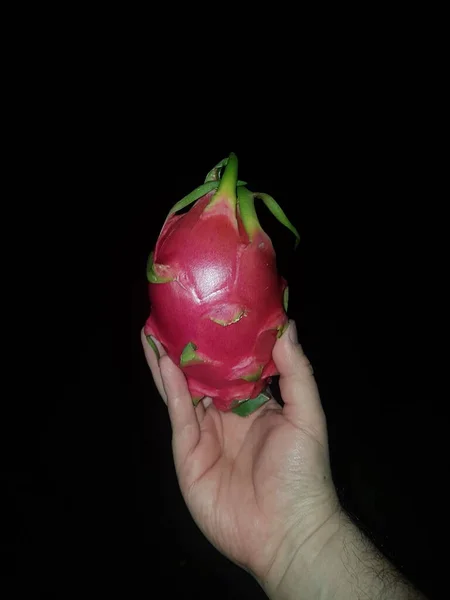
column 294, row 571
column 336, row 562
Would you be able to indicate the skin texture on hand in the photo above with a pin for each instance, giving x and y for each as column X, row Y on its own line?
column 259, row 485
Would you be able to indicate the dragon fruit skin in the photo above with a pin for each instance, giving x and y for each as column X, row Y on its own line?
column 218, row 303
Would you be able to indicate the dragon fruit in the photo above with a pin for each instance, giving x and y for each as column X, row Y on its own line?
column 217, row 301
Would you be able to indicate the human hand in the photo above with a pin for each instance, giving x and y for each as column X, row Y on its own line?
column 259, row 487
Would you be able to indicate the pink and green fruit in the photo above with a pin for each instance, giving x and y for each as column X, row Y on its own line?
column 218, row 303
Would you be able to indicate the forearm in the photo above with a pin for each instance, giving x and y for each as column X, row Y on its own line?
column 338, row 563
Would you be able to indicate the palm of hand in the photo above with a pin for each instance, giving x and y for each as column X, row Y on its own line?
column 247, row 481
column 251, row 483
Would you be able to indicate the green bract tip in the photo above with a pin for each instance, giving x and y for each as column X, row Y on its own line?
column 228, row 183
column 247, row 407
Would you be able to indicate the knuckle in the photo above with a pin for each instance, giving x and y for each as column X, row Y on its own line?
column 305, row 365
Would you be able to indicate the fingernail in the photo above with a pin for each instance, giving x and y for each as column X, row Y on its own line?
column 293, row 332
column 153, row 346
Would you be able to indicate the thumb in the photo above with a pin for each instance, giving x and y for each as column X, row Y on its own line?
column 298, row 386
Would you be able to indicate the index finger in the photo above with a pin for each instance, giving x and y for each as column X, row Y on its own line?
column 153, row 361
column 182, row 413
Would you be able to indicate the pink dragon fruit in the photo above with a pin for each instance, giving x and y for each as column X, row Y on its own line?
column 218, row 303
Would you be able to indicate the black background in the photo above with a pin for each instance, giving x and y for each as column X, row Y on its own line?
column 95, row 503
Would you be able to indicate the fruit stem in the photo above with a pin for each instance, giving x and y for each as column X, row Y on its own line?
column 228, row 183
